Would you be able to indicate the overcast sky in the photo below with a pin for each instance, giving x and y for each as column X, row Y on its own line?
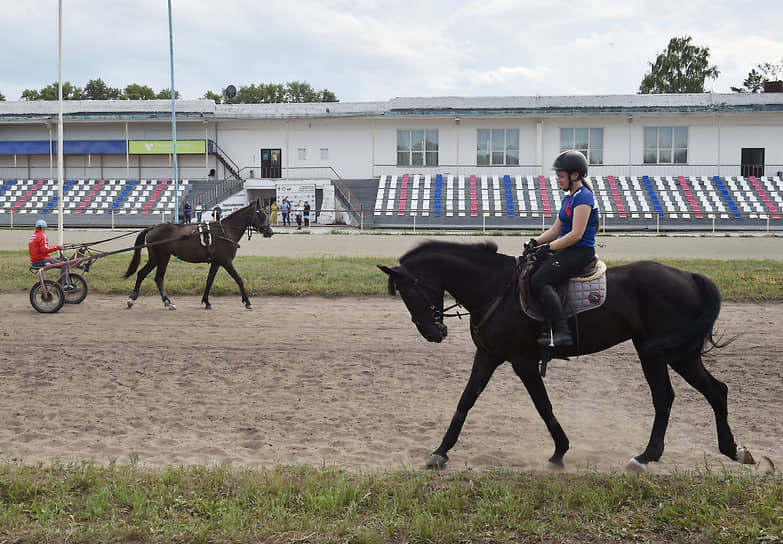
column 375, row 50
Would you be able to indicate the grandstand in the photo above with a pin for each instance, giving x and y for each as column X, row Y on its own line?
column 646, row 202
column 691, row 161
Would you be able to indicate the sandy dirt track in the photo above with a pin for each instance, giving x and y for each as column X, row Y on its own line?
column 320, row 243
column 350, row 381
column 346, row 381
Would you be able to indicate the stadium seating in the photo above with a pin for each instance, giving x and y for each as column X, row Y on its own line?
column 90, row 197
column 466, row 200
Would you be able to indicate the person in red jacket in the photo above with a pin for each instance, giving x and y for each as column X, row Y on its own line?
column 39, row 246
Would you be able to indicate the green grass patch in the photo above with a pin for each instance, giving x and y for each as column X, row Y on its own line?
column 738, row 280
column 85, row 502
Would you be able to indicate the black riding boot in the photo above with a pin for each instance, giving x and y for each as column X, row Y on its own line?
column 553, row 312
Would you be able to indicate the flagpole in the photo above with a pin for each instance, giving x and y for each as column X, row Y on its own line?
column 60, row 143
column 173, row 119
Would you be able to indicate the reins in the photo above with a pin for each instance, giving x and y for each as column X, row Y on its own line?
column 438, row 315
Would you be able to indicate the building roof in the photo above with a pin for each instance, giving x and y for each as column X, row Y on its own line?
column 448, row 105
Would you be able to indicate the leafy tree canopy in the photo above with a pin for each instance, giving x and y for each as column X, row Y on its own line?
column 272, row 93
column 2, row 98
column 70, row 92
column 97, row 89
column 682, row 68
column 754, row 83
column 135, row 91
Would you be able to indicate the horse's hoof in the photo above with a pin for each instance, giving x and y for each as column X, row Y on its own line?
column 130, row 303
column 207, row 306
column 169, row 306
column 248, row 306
column 744, row 456
column 436, row 461
column 556, row 462
column 635, row 466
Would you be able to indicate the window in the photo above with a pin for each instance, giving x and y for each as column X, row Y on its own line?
column 497, row 146
column 302, row 153
column 665, row 145
column 417, row 147
column 324, row 153
column 590, row 141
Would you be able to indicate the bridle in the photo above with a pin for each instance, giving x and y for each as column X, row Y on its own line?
column 438, row 315
column 422, row 287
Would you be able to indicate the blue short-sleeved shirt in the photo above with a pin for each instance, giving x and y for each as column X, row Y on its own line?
column 582, row 196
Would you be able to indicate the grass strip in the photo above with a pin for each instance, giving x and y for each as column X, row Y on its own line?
column 738, row 280
column 86, row 502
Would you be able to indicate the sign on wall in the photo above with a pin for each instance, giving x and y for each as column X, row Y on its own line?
column 296, row 193
column 166, row 147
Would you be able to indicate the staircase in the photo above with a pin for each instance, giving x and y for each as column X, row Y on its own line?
column 231, row 167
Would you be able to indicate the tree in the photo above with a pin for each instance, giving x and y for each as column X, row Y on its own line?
column 166, row 94
column 96, row 89
column 2, row 98
column 274, row 93
column 209, row 95
column 754, row 83
column 682, row 68
column 134, row 91
column 50, row 92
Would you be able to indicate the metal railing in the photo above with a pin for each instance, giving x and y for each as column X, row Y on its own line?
column 425, row 219
column 601, row 170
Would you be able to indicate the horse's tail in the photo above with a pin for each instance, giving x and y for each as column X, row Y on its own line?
column 134, row 264
column 698, row 336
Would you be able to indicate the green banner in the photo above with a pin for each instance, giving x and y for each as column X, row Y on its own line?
column 165, row 147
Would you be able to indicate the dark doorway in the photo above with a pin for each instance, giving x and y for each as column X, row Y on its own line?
column 271, row 164
column 752, row 161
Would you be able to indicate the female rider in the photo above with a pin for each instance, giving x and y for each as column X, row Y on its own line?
column 566, row 247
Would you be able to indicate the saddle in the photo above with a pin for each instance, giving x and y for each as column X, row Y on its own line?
column 205, row 234
column 585, row 291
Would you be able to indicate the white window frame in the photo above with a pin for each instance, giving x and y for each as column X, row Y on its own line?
column 418, row 149
column 301, row 153
column 324, row 153
column 593, row 150
column 497, row 153
column 665, row 152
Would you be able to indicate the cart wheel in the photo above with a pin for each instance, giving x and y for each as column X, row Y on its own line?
column 76, row 291
column 49, row 303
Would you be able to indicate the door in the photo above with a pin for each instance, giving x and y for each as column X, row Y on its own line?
column 752, row 161
column 271, row 163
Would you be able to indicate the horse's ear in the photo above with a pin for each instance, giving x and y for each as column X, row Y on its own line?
column 391, row 287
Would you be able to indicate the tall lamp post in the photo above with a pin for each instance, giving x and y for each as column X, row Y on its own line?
column 60, row 145
column 173, row 119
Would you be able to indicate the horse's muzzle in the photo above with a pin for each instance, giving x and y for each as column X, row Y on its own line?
column 267, row 232
column 437, row 335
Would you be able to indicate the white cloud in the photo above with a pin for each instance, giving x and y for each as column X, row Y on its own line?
column 378, row 49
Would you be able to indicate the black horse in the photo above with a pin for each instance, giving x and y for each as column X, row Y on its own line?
column 218, row 245
column 666, row 312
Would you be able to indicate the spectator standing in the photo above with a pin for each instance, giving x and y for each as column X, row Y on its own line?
column 285, row 208
column 199, row 212
column 298, row 211
column 217, row 212
column 307, row 214
column 187, row 212
column 273, row 212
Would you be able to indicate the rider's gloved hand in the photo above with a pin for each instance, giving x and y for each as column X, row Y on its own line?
column 542, row 252
column 58, row 248
column 530, row 245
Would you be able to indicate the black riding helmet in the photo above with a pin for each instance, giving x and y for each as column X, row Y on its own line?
column 571, row 161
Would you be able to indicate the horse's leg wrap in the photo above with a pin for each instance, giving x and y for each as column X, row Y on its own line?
column 635, row 466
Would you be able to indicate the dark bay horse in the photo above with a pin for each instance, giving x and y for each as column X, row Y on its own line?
column 667, row 313
column 187, row 243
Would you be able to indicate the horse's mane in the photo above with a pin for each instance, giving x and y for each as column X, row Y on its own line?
column 451, row 248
